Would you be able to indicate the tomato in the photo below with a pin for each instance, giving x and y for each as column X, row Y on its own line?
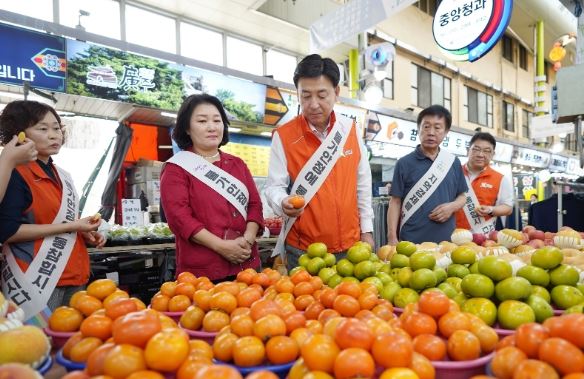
column 167, row 350
column 136, row 328
column 65, row 319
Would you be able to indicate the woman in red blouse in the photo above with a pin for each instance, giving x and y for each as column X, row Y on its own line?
column 213, row 238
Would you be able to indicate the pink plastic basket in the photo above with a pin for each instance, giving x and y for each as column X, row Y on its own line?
column 58, row 338
column 461, row 369
column 208, row 337
column 173, row 315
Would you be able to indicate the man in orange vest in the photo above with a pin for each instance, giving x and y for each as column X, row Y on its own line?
column 321, row 156
column 490, row 193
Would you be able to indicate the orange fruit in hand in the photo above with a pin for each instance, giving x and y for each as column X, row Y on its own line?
column 297, row 201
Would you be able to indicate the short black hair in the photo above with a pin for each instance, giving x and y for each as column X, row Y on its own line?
column 183, row 119
column 436, row 110
column 19, row 115
column 484, row 136
column 313, row 66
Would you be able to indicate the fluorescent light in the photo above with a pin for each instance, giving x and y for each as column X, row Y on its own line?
column 167, row 114
column 234, row 130
column 267, row 134
column 373, row 93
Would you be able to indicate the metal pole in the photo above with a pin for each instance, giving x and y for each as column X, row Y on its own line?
column 517, row 214
column 560, row 209
column 540, row 66
column 578, row 135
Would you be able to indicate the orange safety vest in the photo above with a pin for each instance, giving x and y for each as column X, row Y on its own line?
column 332, row 216
column 486, row 187
column 46, row 201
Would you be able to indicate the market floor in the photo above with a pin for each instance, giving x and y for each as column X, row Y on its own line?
column 56, row 372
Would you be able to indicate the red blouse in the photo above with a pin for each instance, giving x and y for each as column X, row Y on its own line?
column 190, row 206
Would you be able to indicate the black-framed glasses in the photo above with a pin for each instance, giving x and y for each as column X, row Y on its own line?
column 477, row 150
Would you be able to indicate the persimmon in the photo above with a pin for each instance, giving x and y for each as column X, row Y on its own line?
column 239, row 311
column 201, row 299
column 346, row 305
column 264, row 307
column 303, row 301
column 430, row 346
column 534, row 369
column 192, row 318
column 218, row 372
column 262, row 374
column 300, row 276
column 282, row 349
column 297, row 201
column 392, row 349
column 564, row 356
column 462, row 345
column 327, row 297
column 231, row 287
column 71, row 341
column 269, row 326
column 433, row 303
column 506, row 360
column 115, row 295
column 145, row 374
column 354, row 363
column 368, row 300
column 384, row 311
column 313, row 310
column 303, row 288
column 294, row 321
column 326, row 315
column 65, row 319
column 242, row 325
column 136, row 328
column 166, row 350
column 159, row 302
column 352, row 332
column 300, row 335
column 187, row 289
column 215, row 320
column 75, row 297
column 422, row 366
column 451, row 322
column 319, row 352
column 248, row 351
column 223, row 301
column 186, row 277
column 419, row 323
column 179, row 303
column 97, row 326
column 101, row 288
column 261, row 279
column 314, row 326
column 223, row 346
column 95, row 360
column 76, row 375
column 349, row 288
column 123, row 360
column 284, row 285
column 200, row 348
column 81, row 350
column 120, row 307
column 245, row 277
column 190, row 368
column 88, row 304
column 487, row 336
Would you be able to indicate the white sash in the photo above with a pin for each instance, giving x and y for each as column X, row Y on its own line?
column 425, row 187
column 32, row 290
column 315, row 171
column 477, row 223
column 220, row 181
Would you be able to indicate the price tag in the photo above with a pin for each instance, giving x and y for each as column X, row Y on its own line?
column 132, row 214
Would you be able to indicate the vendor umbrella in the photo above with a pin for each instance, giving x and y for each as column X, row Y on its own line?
column 108, row 198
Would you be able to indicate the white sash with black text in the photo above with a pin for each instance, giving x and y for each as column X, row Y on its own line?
column 315, row 171
column 425, row 187
column 477, row 223
column 32, row 290
column 220, row 181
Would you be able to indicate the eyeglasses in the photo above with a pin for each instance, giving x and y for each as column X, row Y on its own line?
column 478, row 150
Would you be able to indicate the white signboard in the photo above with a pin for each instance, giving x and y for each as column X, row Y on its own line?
column 132, row 214
column 543, row 126
column 503, row 152
column 558, row 163
column 351, row 19
column 573, row 166
column 388, row 150
column 458, row 23
column 397, row 131
column 359, row 115
column 531, row 157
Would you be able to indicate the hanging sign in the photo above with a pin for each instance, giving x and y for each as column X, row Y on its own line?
column 34, row 57
column 466, row 30
column 558, row 163
column 530, row 157
column 276, row 107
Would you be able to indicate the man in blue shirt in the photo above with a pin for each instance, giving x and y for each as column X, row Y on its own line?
column 434, row 220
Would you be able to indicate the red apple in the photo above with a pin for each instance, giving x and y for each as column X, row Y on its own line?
column 528, row 228
column 536, row 243
column 549, row 242
column 493, row 235
column 536, row 235
column 478, row 238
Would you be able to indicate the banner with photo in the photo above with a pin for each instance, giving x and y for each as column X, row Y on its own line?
column 101, row 72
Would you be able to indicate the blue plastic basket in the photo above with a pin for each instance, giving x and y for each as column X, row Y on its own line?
column 69, row 365
column 280, row 370
column 46, row 365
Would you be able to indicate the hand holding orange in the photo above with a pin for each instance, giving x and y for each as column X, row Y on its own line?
column 297, row 201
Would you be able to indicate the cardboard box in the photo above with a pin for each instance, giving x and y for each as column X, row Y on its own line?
column 142, row 174
column 151, row 189
column 148, row 163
